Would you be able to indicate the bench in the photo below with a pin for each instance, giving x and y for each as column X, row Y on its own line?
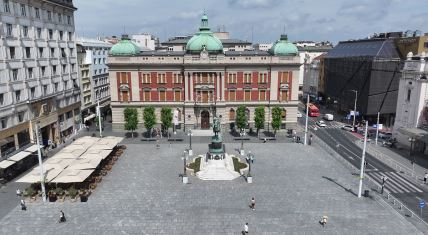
column 268, row 138
column 175, row 139
column 241, row 138
column 148, row 139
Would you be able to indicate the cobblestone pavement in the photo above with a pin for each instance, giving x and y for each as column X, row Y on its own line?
column 294, row 186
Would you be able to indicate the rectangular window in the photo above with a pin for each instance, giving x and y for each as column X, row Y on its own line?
column 18, row 96
column 177, row 78
column 161, row 78
column 68, row 19
column 54, row 70
column 23, row 10
column 4, row 123
column 55, row 87
column 43, row 70
column 49, row 16
column 70, row 35
column 61, row 35
column 9, row 30
column 64, row 68
column 52, row 52
column 146, row 95
column 262, row 95
column 426, row 44
column 247, row 95
column 28, row 52
column 63, row 55
column 40, row 52
column 72, row 68
column 247, row 78
column 30, row 73
column 232, row 95
column 409, row 93
column 285, row 77
column 50, row 34
column 1, row 99
column 146, row 78
column 65, row 85
column 71, row 52
column 39, row 33
column 125, row 96
column 37, row 12
column 6, row 6
column 12, row 52
column 25, row 31
column 20, row 117
column 232, row 78
column 284, row 95
column 32, row 92
column 123, row 77
column 162, row 95
column 177, row 95
column 15, row 74
column 262, row 77
column 45, row 89
column 59, row 18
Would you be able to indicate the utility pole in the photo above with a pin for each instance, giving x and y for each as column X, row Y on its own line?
column 307, row 115
column 42, row 172
column 377, row 127
column 355, row 107
column 362, row 161
column 99, row 118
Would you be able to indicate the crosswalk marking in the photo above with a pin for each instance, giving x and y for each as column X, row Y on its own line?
column 395, row 183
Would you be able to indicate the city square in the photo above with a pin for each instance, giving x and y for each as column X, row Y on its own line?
column 294, row 186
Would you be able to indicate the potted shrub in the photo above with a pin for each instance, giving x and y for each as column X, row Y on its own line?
column 30, row 192
column 52, row 196
column 60, row 193
column 83, row 196
column 72, row 192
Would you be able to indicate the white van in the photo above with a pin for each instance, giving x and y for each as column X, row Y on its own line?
column 328, row 117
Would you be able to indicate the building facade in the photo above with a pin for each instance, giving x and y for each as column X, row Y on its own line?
column 312, row 77
column 204, row 81
column 38, row 72
column 145, row 41
column 412, row 103
column 92, row 60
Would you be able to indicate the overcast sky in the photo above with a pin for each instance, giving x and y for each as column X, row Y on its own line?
column 262, row 20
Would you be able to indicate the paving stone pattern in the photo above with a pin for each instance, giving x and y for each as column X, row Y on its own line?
column 294, row 186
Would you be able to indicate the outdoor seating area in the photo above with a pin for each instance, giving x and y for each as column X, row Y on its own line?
column 18, row 163
column 75, row 170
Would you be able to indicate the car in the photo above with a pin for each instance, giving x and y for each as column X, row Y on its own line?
column 385, row 135
column 299, row 114
column 328, row 117
column 347, row 128
column 321, row 123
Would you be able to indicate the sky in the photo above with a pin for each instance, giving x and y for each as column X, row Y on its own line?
column 260, row 21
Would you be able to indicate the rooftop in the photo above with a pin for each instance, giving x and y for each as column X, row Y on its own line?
column 384, row 48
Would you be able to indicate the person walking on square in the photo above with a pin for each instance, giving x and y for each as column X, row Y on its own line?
column 18, row 192
column 425, row 178
column 253, row 204
column 323, row 221
column 310, row 139
column 23, row 206
column 62, row 217
column 246, row 228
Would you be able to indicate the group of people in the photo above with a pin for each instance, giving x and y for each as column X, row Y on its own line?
column 62, row 218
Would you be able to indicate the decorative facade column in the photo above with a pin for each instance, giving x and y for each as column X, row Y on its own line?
column 192, row 95
column 218, row 87
column 186, row 87
column 223, row 85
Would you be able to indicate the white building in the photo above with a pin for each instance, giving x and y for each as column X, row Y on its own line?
column 263, row 46
column 412, row 103
column 312, row 77
column 92, row 58
column 145, row 41
column 38, row 72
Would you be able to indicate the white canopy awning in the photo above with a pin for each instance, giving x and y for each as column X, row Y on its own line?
column 85, row 163
column 63, row 155
column 58, row 162
column 6, row 163
column 19, row 156
column 103, row 153
column 33, row 148
column 34, row 175
column 72, row 176
column 74, row 152
column 89, row 117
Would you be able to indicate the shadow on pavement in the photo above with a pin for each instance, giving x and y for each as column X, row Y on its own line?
column 334, row 181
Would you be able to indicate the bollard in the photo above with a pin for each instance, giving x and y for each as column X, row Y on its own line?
column 393, row 202
column 387, row 196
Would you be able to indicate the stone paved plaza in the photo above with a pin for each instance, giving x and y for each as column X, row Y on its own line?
column 293, row 185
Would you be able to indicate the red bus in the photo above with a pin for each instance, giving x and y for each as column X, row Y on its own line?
column 313, row 110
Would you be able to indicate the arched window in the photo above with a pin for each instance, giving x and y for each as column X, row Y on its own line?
column 231, row 115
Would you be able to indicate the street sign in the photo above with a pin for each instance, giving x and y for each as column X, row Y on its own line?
column 351, row 113
column 422, row 204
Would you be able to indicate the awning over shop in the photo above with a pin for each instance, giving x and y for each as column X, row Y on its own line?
column 19, row 156
column 93, row 153
column 34, row 175
column 6, row 163
column 89, row 117
column 72, row 176
column 85, row 163
column 33, row 148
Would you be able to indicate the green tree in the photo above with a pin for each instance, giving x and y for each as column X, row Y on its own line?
column 276, row 118
column 131, row 119
column 241, row 118
column 259, row 118
column 166, row 117
column 149, row 118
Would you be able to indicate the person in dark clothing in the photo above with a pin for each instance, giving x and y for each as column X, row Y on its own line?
column 62, row 217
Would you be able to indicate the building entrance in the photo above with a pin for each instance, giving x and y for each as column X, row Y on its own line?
column 205, row 120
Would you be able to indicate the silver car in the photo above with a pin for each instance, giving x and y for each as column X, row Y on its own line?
column 347, row 128
column 321, row 123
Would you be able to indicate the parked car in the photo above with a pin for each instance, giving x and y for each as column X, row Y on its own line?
column 385, row 135
column 328, row 117
column 299, row 114
column 321, row 123
column 347, row 128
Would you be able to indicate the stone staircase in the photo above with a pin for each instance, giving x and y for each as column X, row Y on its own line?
column 217, row 170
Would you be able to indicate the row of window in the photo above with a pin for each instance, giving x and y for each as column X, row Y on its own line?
column 100, row 61
column 37, row 33
column 28, row 53
column 35, row 12
column 101, row 81
column 19, row 117
column 29, row 73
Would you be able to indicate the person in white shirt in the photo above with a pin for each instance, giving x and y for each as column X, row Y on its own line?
column 246, row 228
column 18, row 192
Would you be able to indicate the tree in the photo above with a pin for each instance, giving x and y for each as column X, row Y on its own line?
column 259, row 118
column 166, row 117
column 276, row 118
column 149, row 118
column 131, row 119
column 241, row 118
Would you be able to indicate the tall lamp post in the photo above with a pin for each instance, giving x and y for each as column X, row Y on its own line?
column 363, row 161
column 99, row 118
column 355, row 107
column 307, row 116
column 249, row 159
column 42, row 172
column 184, row 157
column 242, row 134
column 412, row 140
column 189, row 133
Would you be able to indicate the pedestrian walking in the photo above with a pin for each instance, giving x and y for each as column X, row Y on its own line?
column 310, row 139
column 23, row 206
column 18, row 192
column 324, row 220
column 384, row 178
column 61, row 217
column 253, row 204
column 246, row 228
column 425, row 177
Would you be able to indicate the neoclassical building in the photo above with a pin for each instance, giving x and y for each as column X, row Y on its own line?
column 204, row 80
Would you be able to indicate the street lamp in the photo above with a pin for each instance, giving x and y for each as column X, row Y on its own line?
column 99, row 118
column 184, row 157
column 42, row 172
column 355, row 107
column 412, row 140
column 189, row 133
column 242, row 134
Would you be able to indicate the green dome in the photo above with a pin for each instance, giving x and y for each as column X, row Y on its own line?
column 125, row 47
column 204, row 39
column 283, row 47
